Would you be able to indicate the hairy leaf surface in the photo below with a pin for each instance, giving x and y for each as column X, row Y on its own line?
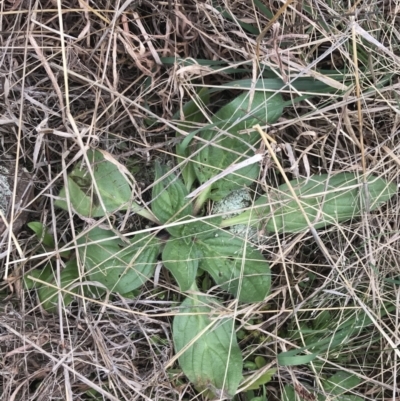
column 235, row 266
column 169, row 199
column 211, row 357
column 182, row 260
column 113, row 187
column 118, row 266
column 227, row 145
column 69, row 277
column 193, row 115
column 325, row 200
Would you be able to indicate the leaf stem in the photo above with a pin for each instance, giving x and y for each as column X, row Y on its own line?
column 146, row 213
column 203, row 196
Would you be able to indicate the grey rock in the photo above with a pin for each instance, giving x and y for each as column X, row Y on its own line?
column 23, row 195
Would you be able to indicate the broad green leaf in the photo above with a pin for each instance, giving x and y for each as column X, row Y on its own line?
column 44, row 274
column 235, row 266
column 335, row 388
column 260, row 361
column 48, row 296
column 228, row 146
column 211, row 357
column 263, row 379
column 325, row 200
column 321, row 341
column 182, row 260
column 330, row 339
column 307, row 85
column 169, row 199
column 269, row 82
column 118, row 266
column 42, row 233
column 293, row 357
column 288, row 393
column 340, row 382
column 202, row 228
column 114, row 189
column 264, row 9
column 80, row 200
column 342, row 198
column 192, row 116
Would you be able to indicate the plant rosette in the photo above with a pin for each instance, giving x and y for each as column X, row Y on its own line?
column 204, row 339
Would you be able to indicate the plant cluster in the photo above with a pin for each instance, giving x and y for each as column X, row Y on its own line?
column 193, row 243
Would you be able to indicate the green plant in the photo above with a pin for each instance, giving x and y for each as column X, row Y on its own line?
column 97, row 186
column 325, row 200
column 334, row 387
column 205, row 342
column 326, row 333
column 42, row 234
column 68, row 285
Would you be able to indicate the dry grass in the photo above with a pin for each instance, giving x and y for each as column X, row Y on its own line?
column 112, row 76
